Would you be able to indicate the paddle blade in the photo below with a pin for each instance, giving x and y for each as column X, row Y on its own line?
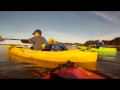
column 2, row 39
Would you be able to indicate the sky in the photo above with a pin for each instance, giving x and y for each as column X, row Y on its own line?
column 64, row 26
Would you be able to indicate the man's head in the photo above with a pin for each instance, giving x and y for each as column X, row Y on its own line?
column 37, row 32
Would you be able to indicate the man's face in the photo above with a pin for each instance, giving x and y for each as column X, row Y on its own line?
column 36, row 34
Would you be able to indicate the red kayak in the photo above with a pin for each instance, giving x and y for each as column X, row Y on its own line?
column 71, row 71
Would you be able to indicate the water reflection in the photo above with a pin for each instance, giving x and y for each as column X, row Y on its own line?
column 42, row 63
column 109, row 65
column 110, row 58
column 107, row 57
column 14, row 66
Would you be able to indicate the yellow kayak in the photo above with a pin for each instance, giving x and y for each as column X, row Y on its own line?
column 56, row 56
column 49, row 64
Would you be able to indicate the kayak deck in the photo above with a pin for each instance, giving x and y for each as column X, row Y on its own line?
column 71, row 71
column 75, row 73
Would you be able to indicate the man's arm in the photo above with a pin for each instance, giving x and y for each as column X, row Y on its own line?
column 24, row 41
column 30, row 40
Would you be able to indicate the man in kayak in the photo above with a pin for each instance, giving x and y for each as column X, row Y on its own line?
column 100, row 44
column 37, row 40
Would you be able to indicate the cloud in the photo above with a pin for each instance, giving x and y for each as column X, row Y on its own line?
column 56, row 33
column 70, row 39
column 82, row 18
column 65, row 37
column 89, row 22
column 108, row 16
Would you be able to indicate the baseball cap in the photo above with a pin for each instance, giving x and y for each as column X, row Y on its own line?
column 37, row 30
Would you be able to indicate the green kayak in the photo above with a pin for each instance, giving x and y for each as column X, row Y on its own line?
column 101, row 50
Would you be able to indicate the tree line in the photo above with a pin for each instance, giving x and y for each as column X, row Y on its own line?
column 115, row 41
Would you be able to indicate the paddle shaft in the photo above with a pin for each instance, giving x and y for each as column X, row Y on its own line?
column 3, row 39
column 11, row 39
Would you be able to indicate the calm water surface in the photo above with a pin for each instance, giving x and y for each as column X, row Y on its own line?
column 14, row 67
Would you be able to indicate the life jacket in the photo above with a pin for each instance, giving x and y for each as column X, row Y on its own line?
column 53, row 45
column 101, row 44
column 50, row 42
column 59, row 46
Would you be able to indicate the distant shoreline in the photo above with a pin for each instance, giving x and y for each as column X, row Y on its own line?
column 112, row 45
column 68, row 45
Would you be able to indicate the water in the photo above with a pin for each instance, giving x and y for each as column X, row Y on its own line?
column 14, row 67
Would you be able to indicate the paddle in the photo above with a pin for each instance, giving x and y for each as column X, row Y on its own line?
column 3, row 39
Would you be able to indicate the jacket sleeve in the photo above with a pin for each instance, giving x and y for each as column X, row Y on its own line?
column 31, row 40
column 24, row 41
